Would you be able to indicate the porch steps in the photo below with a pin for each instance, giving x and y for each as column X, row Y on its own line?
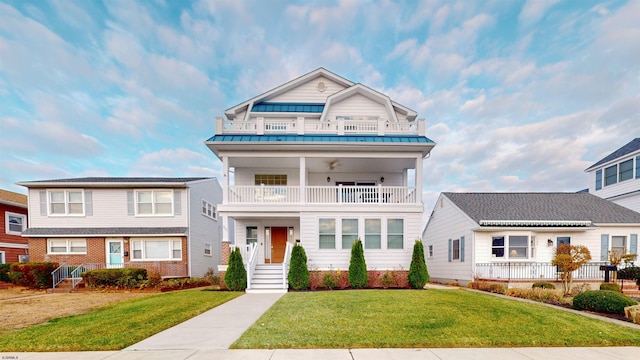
column 630, row 288
column 267, row 278
column 65, row 287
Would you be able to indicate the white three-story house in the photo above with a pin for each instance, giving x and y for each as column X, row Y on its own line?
column 321, row 161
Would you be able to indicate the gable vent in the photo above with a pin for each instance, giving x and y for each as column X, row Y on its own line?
column 321, row 86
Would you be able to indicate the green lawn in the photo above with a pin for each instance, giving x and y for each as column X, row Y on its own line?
column 116, row 326
column 418, row 318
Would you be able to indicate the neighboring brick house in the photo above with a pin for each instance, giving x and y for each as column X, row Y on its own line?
column 168, row 225
column 13, row 208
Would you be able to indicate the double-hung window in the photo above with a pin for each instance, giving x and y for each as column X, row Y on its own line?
column 15, row 223
column 66, row 246
column 611, row 175
column 208, row 209
column 455, row 249
column 349, row 232
column 518, row 247
column 395, row 233
column 497, row 246
column 327, row 234
column 154, row 202
column 156, row 249
column 619, row 245
column 66, row 202
column 372, row 233
column 252, row 235
column 625, row 170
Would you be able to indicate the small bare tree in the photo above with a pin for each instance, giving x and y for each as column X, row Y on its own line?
column 569, row 258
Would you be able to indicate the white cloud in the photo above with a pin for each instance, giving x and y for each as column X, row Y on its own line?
column 534, row 10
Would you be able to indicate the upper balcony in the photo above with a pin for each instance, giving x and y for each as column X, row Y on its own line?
column 336, row 126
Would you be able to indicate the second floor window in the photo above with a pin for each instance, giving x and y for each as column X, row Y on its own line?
column 66, row 202
column 15, row 223
column 154, row 202
column 270, row 179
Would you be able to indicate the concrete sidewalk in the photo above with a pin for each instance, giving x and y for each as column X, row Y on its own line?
column 215, row 329
column 584, row 353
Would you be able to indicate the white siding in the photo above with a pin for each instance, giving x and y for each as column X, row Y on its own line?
column 448, row 222
column 203, row 229
column 382, row 259
column 625, row 187
column 308, row 92
column 246, row 176
column 109, row 210
column 630, row 202
column 358, row 105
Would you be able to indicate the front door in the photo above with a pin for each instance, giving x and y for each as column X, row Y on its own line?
column 115, row 258
column 278, row 244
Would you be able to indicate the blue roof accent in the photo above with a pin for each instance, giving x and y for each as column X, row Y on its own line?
column 632, row 146
column 288, row 107
column 321, row 138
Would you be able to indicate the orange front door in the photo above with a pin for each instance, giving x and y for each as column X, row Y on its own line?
column 278, row 244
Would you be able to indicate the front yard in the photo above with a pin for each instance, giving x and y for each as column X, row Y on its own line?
column 417, row 318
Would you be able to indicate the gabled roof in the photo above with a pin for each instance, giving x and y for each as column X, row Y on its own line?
column 113, row 181
column 371, row 94
column 541, row 209
column 631, row 147
column 12, row 198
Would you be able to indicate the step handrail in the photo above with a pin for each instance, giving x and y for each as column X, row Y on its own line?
column 59, row 274
column 251, row 264
column 285, row 265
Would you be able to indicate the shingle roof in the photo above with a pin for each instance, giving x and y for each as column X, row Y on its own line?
column 632, row 146
column 113, row 180
column 9, row 197
column 542, row 207
column 322, row 138
column 110, row 231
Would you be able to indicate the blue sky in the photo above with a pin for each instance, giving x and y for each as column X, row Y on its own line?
column 519, row 95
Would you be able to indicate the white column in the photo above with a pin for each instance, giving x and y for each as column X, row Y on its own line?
column 260, row 126
column 225, row 228
column 225, row 179
column 419, row 180
column 300, row 125
column 303, row 180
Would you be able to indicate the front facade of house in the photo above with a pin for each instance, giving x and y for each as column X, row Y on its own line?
column 166, row 225
column 13, row 221
column 512, row 237
column 616, row 177
column 323, row 161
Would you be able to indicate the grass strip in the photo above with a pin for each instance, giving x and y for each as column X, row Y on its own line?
column 418, row 318
column 115, row 326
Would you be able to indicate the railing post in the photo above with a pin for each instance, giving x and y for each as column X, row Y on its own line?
column 340, row 126
column 219, row 125
column 381, row 127
column 260, row 126
column 300, row 125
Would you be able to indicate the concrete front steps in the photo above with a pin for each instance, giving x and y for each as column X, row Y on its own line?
column 630, row 288
column 267, row 278
column 66, row 286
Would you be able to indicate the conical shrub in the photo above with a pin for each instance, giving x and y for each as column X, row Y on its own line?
column 298, row 272
column 357, row 266
column 418, row 273
column 236, row 276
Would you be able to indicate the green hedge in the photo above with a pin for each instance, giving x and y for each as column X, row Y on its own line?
column 4, row 272
column 298, row 272
column 543, row 285
column 606, row 301
column 418, row 273
column 610, row 286
column 357, row 267
column 34, row 275
column 119, row 278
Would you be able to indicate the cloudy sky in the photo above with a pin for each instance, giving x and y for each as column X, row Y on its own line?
column 519, row 95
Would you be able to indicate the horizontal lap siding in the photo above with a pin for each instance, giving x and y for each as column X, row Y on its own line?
column 448, row 222
column 383, row 259
column 109, row 210
column 357, row 105
column 203, row 229
column 309, row 93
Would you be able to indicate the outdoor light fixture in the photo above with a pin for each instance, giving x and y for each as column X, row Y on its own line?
column 549, row 242
column 328, row 179
column 382, row 179
column 290, row 231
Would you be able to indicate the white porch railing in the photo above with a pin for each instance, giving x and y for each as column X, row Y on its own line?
column 301, row 126
column 285, row 265
column 535, row 271
column 266, row 194
column 251, row 263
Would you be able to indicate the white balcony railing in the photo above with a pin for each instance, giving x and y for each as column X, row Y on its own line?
column 267, row 194
column 301, row 126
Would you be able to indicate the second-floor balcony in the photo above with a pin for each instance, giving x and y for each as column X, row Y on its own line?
column 322, row 195
column 335, row 126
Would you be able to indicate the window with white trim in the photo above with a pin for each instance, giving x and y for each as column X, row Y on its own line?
column 395, row 233
column 619, row 245
column 208, row 249
column 497, row 246
column 251, row 235
column 14, row 223
column 327, row 234
column 349, row 232
column 66, row 202
column 372, row 233
column 518, row 247
column 625, row 170
column 511, row 247
column 154, row 202
column 156, row 249
column 208, row 209
column 66, row 246
column 3, row 258
column 430, row 251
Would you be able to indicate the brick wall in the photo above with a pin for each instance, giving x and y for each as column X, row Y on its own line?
column 225, row 252
column 95, row 252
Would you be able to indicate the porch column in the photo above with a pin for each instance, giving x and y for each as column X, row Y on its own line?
column 225, row 228
column 225, row 179
column 419, row 180
column 303, row 180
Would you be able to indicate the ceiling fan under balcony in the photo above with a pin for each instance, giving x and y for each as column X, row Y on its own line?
column 333, row 164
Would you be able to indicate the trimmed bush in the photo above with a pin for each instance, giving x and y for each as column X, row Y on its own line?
column 123, row 278
column 497, row 288
column 543, row 285
column 610, row 286
column 357, row 267
column 539, row 294
column 4, row 272
column 33, row 275
column 418, row 274
column 298, row 272
column 605, row 301
column 236, row 276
